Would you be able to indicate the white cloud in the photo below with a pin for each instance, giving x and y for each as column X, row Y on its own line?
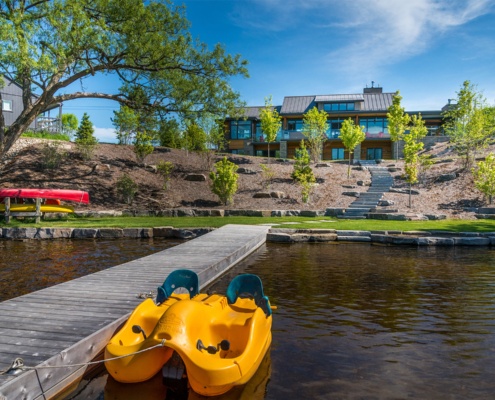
column 105, row 135
column 370, row 34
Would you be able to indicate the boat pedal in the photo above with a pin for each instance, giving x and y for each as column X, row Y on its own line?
column 173, row 370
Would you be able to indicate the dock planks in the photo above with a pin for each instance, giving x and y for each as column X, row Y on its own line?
column 71, row 323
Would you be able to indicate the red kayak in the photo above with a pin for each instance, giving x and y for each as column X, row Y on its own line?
column 61, row 194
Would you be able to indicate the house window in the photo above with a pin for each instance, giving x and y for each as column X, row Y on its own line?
column 338, row 154
column 374, row 127
column 295, row 125
column 374, row 154
column 338, row 106
column 240, row 129
column 6, row 105
column 334, row 126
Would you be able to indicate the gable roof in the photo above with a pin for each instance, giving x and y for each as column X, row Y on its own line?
column 297, row 104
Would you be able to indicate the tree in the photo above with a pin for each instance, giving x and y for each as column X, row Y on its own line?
column 85, row 140
column 224, row 181
column 469, row 123
column 48, row 45
column 398, row 121
column 484, row 177
column 315, row 127
column 303, row 174
column 126, row 122
column 169, row 134
column 271, row 122
column 69, row 124
column 351, row 135
column 142, row 145
column 412, row 146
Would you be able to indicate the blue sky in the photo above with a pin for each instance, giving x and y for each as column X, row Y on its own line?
column 424, row 48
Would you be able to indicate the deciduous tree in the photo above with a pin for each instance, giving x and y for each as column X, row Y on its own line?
column 398, row 121
column 69, row 124
column 224, row 180
column 484, row 177
column 271, row 122
column 351, row 135
column 469, row 123
column 49, row 46
column 315, row 127
column 412, row 146
column 303, row 174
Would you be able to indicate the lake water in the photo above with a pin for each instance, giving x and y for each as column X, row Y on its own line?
column 356, row 321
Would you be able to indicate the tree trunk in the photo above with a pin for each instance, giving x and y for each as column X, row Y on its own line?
column 349, row 167
column 410, row 195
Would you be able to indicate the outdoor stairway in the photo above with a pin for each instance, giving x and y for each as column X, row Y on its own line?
column 381, row 182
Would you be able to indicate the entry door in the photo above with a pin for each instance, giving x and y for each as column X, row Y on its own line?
column 374, row 153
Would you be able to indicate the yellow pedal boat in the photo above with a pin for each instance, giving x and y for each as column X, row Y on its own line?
column 221, row 340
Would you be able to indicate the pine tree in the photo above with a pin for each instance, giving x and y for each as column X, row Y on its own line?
column 85, row 140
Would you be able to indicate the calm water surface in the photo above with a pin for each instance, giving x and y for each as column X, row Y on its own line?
column 362, row 322
column 26, row 266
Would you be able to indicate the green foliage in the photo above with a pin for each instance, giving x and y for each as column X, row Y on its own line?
column 165, row 168
column 484, row 177
column 267, row 175
column 85, row 140
column 470, row 123
column 126, row 122
column 315, row 127
column 169, row 134
column 303, row 174
column 142, row 145
column 195, row 137
column 51, row 155
column 69, row 124
column 47, row 135
column 50, row 45
column 412, row 146
column 271, row 122
column 127, row 188
column 224, row 181
column 351, row 135
column 398, row 121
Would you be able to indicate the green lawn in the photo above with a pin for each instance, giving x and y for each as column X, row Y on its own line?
column 279, row 222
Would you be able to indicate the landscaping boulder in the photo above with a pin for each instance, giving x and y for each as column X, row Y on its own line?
column 195, row 178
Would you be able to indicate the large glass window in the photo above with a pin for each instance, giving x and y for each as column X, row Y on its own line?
column 374, row 154
column 334, row 126
column 6, row 105
column 295, row 125
column 240, row 129
column 338, row 154
column 344, row 106
column 375, row 127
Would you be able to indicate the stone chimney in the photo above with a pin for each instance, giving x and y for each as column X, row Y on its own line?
column 373, row 88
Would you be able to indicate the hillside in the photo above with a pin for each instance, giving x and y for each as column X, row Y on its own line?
column 444, row 189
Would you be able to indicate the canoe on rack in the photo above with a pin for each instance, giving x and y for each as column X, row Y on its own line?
column 60, row 194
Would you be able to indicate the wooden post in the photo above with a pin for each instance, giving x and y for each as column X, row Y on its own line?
column 7, row 210
column 38, row 210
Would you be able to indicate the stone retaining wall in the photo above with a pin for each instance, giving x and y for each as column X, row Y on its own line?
column 412, row 238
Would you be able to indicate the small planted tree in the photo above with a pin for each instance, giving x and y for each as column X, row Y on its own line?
column 484, row 177
column 69, row 124
column 224, row 180
column 271, row 122
column 165, row 169
column 398, row 121
column 351, row 135
column 127, row 188
column 315, row 127
column 303, row 174
column 142, row 145
column 85, row 140
column 412, row 146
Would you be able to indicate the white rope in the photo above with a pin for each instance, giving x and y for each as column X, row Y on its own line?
column 19, row 362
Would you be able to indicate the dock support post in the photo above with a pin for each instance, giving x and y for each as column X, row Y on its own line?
column 7, row 210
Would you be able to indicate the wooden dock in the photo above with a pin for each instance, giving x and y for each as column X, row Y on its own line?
column 71, row 323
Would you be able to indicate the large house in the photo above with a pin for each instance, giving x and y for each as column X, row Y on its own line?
column 368, row 109
column 12, row 106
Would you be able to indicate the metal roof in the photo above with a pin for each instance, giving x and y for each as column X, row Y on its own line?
column 377, row 101
column 339, row 97
column 297, row 104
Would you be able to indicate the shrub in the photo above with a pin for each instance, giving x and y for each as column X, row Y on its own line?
column 224, row 181
column 142, row 145
column 267, row 175
column 165, row 168
column 127, row 188
column 51, row 156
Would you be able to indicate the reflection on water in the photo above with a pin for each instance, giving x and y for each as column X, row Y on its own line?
column 362, row 322
column 26, row 266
